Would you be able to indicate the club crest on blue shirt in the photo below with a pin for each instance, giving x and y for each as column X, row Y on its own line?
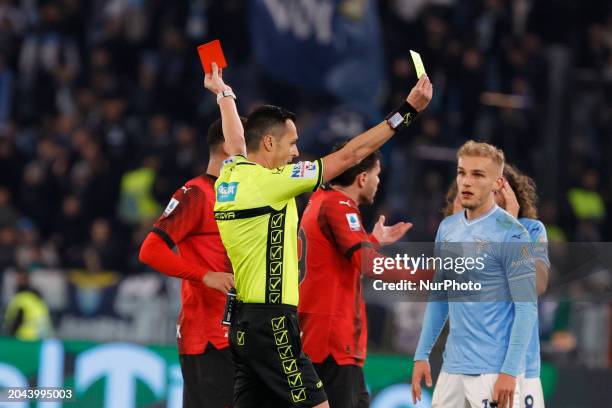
column 481, row 244
column 304, row 169
column 227, row 191
column 353, row 222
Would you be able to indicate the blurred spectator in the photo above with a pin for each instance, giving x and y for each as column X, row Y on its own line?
column 548, row 215
column 46, row 55
column 8, row 214
column 136, row 201
column 11, row 164
column 8, row 245
column 31, row 252
column 27, row 316
column 586, row 201
column 70, row 231
column 588, row 207
column 6, row 92
column 37, row 195
column 106, row 246
column 12, row 25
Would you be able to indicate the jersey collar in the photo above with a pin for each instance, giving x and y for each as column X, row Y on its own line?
column 482, row 217
column 342, row 195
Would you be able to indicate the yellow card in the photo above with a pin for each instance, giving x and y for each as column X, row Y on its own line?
column 418, row 63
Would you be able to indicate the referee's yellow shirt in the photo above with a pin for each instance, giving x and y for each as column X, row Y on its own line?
column 257, row 218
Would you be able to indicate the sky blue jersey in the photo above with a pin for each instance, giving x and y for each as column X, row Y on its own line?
column 489, row 330
column 537, row 234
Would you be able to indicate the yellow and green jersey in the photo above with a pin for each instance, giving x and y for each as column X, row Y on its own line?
column 257, row 218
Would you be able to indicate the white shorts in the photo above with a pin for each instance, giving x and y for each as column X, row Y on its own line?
column 468, row 391
column 532, row 395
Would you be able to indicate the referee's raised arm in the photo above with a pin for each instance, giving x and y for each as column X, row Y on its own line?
column 233, row 131
column 364, row 144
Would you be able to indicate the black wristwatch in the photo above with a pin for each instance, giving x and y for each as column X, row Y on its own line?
column 401, row 117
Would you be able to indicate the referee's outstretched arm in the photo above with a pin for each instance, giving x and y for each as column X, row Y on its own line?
column 362, row 145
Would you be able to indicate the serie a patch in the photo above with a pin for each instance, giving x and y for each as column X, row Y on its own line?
column 171, row 207
column 353, row 222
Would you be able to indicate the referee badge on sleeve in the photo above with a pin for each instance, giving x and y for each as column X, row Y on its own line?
column 304, row 169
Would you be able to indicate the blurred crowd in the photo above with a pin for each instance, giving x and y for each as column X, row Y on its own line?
column 103, row 113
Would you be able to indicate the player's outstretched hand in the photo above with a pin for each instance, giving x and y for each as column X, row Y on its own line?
column 386, row 235
column 421, row 369
column 503, row 391
column 421, row 93
column 222, row 281
column 214, row 81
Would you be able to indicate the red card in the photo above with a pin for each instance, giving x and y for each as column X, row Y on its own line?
column 209, row 53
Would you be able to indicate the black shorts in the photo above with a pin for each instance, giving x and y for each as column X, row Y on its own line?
column 208, row 378
column 344, row 384
column 271, row 369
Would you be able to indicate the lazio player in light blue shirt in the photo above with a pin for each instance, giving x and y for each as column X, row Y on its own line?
column 531, row 392
column 518, row 197
column 488, row 339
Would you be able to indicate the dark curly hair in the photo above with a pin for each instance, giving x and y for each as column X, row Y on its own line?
column 525, row 189
column 451, row 194
column 349, row 175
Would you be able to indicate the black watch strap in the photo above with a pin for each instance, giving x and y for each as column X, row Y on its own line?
column 401, row 117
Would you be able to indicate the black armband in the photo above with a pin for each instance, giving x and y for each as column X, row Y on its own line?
column 401, row 117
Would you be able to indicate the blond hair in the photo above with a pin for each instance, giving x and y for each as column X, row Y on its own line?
column 523, row 186
column 477, row 149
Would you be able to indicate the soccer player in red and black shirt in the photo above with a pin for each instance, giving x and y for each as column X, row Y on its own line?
column 337, row 250
column 201, row 262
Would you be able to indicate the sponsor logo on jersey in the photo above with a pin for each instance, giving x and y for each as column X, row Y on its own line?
column 524, row 259
column 170, row 207
column 304, row 169
column 524, row 252
column 353, row 222
column 227, row 191
column 225, row 215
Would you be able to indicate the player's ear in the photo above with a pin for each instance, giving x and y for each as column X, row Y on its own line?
column 499, row 183
column 268, row 142
column 361, row 179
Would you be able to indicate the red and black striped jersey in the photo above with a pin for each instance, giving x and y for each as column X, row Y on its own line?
column 331, row 309
column 188, row 224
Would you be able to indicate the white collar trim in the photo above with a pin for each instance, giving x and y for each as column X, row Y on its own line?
column 482, row 217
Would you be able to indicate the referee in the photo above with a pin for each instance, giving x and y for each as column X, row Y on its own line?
column 257, row 218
